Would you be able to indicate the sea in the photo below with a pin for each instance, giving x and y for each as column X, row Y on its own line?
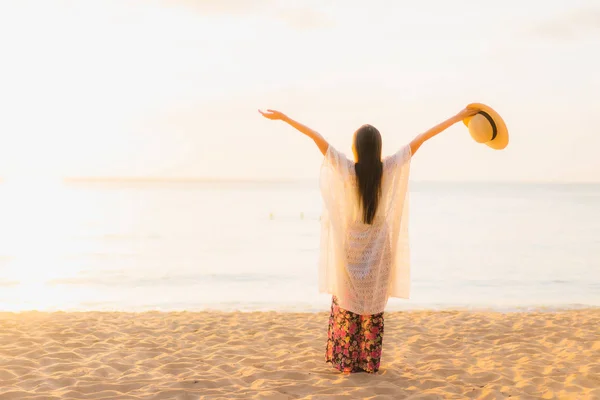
column 254, row 246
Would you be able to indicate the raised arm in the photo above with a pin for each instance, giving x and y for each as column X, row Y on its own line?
column 314, row 135
column 439, row 128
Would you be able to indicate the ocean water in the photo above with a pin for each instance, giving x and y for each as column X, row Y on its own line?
column 254, row 246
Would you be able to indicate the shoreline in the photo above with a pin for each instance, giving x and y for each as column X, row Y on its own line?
column 273, row 355
column 285, row 311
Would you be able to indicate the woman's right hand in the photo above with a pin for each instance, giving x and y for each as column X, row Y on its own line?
column 273, row 114
column 465, row 113
column 419, row 140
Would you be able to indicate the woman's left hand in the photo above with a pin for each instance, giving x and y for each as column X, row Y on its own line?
column 273, row 114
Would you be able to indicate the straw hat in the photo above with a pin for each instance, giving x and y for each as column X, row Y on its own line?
column 487, row 127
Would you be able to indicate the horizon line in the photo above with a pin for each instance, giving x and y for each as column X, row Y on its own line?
column 183, row 179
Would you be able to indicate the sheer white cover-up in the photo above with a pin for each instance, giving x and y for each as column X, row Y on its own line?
column 363, row 265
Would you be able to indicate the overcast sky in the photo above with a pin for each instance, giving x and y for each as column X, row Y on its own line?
column 171, row 88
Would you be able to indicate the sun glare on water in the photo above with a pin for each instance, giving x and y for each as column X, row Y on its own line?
column 35, row 230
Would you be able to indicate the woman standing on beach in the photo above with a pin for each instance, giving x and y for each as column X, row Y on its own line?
column 364, row 238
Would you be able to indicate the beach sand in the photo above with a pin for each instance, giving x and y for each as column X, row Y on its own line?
column 185, row 355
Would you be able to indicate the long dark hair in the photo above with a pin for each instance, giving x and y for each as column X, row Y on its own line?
column 369, row 169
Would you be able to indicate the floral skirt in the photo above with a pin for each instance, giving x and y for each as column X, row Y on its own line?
column 354, row 341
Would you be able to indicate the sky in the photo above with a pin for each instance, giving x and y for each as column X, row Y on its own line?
column 171, row 88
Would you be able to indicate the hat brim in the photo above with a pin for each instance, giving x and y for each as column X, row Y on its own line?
column 501, row 139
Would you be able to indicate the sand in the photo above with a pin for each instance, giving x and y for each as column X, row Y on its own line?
column 426, row 355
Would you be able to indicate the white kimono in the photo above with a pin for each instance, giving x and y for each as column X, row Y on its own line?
column 363, row 265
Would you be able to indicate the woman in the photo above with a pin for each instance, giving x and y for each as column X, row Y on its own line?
column 364, row 238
